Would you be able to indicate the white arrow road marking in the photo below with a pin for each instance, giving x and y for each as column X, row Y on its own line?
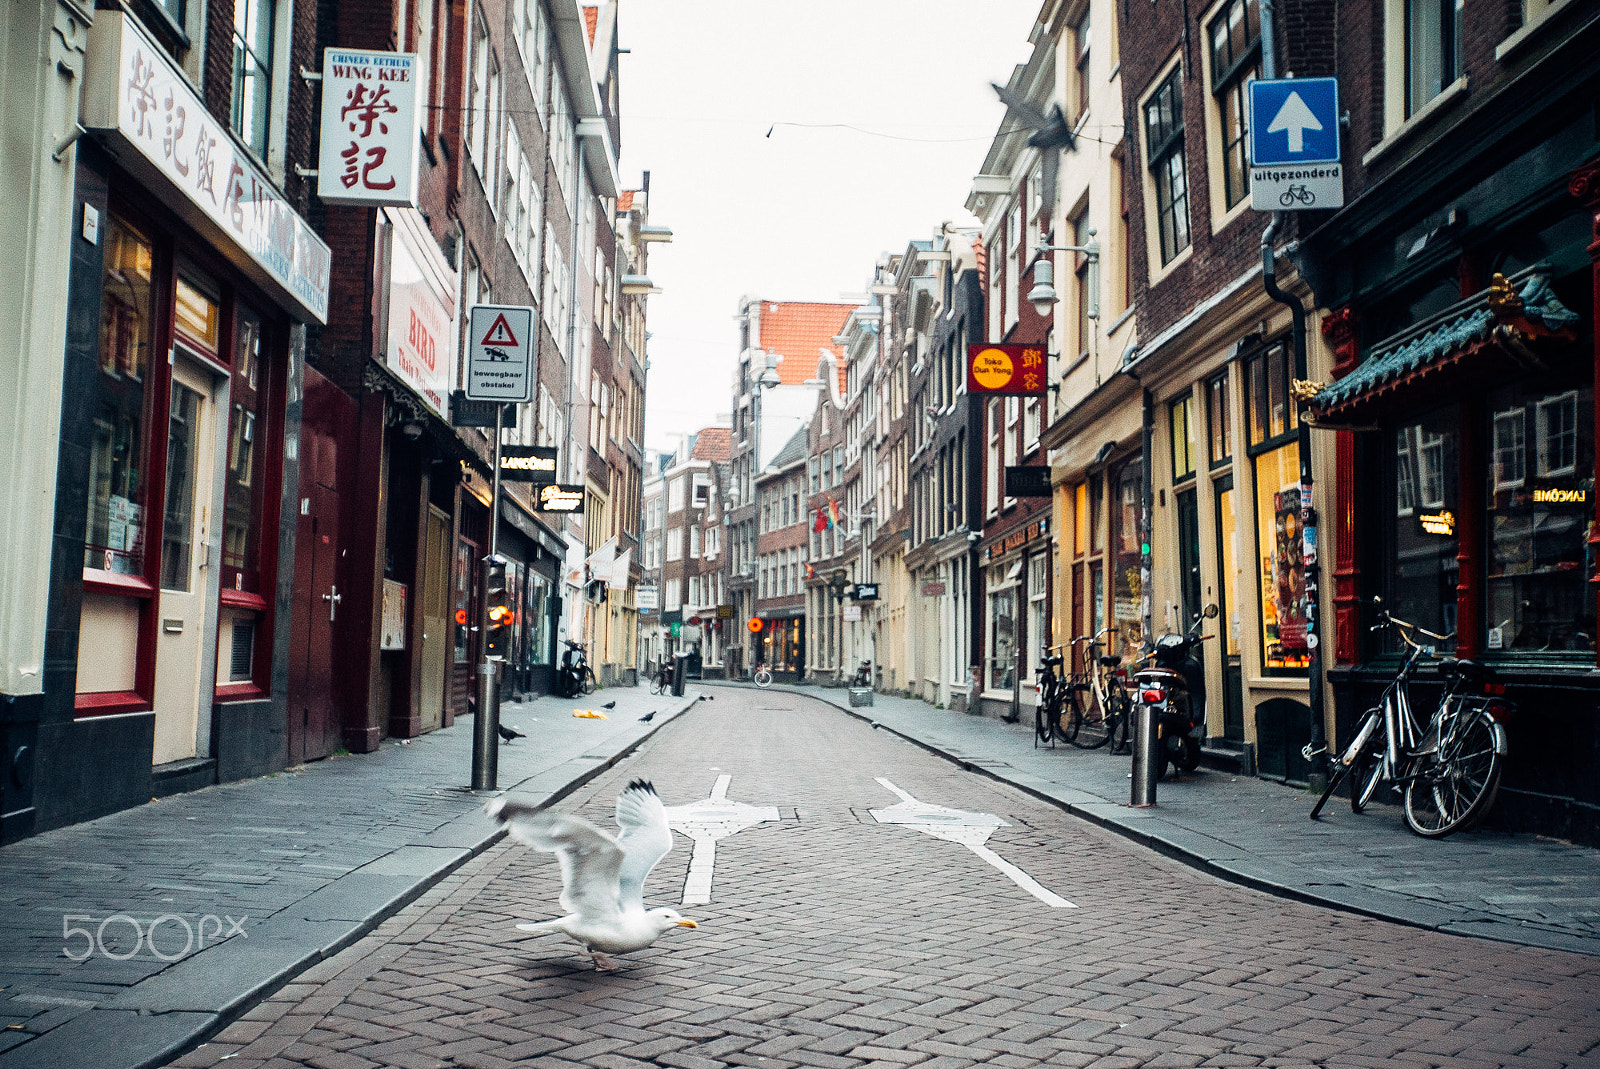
column 971, row 830
column 1296, row 118
column 705, row 822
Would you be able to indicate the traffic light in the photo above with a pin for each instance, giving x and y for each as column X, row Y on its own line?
column 499, row 611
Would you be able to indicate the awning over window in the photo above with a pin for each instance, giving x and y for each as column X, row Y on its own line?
column 1516, row 318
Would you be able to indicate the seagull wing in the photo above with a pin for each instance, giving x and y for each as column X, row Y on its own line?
column 590, row 859
column 645, row 839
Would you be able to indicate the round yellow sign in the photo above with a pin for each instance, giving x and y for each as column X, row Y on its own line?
column 991, row 368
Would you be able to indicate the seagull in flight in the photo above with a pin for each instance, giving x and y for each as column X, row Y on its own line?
column 602, row 877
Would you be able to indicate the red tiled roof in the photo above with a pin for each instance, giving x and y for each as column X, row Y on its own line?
column 591, row 18
column 798, row 331
column 625, row 200
column 714, row 444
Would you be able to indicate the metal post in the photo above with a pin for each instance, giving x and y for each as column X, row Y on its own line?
column 486, row 725
column 1146, row 766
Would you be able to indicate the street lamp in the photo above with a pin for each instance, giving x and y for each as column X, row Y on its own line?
column 1043, row 295
column 769, row 377
column 838, row 583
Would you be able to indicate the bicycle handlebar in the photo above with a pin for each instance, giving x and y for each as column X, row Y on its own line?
column 1404, row 629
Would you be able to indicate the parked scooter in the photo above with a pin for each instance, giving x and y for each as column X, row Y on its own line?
column 574, row 677
column 1173, row 679
column 863, row 676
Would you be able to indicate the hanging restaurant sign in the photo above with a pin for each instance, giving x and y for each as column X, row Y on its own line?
column 558, row 497
column 1014, row 370
column 528, row 463
column 143, row 107
column 369, row 143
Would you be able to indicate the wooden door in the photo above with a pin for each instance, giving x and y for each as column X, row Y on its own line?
column 314, row 720
column 436, row 635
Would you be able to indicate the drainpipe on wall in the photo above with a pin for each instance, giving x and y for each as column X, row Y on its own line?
column 1315, row 752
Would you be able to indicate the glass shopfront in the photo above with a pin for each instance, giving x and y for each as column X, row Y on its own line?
column 1275, row 456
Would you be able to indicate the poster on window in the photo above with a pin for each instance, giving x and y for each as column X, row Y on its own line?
column 369, row 144
column 1286, row 626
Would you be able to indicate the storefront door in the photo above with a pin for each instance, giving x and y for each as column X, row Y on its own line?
column 1227, row 601
column 187, row 605
column 435, row 617
column 1188, row 555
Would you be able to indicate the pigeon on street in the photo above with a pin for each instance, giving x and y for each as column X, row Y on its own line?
column 602, row 877
column 609, row 705
column 646, row 718
column 509, row 733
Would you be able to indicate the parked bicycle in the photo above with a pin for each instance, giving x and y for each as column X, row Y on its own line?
column 660, row 677
column 1447, row 771
column 1107, row 722
column 863, row 676
column 762, row 676
column 1052, row 688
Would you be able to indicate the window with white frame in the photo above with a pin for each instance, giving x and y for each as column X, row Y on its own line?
column 1556, row 426
column 1081, row 40
column 702, row 491
column 993, row 481
column 675, row 495
column 1510, row 449
column 694, row 592
column 478, row 93
column 253, row 30
column 1234, row 40
column 694, row 542
column 675, row 544
column 997, row 274
column 672, row 598
column 1014, row 254
column 1163, row 131
column 1433, row 41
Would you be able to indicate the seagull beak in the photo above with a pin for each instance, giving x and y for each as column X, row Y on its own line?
column 687, row 924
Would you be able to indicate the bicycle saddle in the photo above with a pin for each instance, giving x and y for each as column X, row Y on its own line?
column 1110, row 660
column 1466, row 669
column 1051, row 662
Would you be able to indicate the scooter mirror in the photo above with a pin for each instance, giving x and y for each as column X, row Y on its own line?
column 1211, row 611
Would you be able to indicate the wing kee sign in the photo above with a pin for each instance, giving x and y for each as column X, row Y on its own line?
column 528, row 463
column 1014, row 370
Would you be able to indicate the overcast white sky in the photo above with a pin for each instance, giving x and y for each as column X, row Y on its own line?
column 805, row 213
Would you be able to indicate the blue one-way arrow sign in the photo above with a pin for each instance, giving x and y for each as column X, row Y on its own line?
column 1294, row 121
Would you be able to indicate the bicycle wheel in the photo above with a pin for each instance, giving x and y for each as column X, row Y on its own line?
column 588, row 680
column 1091, row 731
column 1117, row 720
column 1041, row 718
column 1366, row 771
column 1068, row 718
column 1340, row 772
column 763, row 677
column 1448, row 790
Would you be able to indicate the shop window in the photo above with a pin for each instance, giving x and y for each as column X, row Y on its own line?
column 246, row 418
column 1038, row 618
column 462, row 600
column 1097, row 528
column 117, row 491
column 1280, row 554
column 1425, row 540
column 1127, row 555
column 1218, row 420
column 1183, row 443
column 1002, row 637
column 1537, row 596
column 252, row 71
column 1283, row 620
column 1080, row 519
column 197, row 311
column 1097, row 597
column 537, row 614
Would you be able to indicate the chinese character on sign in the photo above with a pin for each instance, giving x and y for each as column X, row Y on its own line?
column 141, row 99
column 1032, row 358
column 205, row 175
column 368, row 108
column 176, row 117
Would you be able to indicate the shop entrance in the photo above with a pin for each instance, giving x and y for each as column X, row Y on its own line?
column 436, row 639
column 188, row 624
column 1228, row 619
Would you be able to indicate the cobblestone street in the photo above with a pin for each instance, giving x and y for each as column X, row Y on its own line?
column 833, row 940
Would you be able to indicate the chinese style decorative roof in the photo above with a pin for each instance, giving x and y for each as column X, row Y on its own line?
column 1512, row 314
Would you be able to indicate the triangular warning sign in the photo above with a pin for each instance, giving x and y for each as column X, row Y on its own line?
column 500, row 333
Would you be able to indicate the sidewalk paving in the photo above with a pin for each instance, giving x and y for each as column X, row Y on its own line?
column 1517, row 888
column 253, row 882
